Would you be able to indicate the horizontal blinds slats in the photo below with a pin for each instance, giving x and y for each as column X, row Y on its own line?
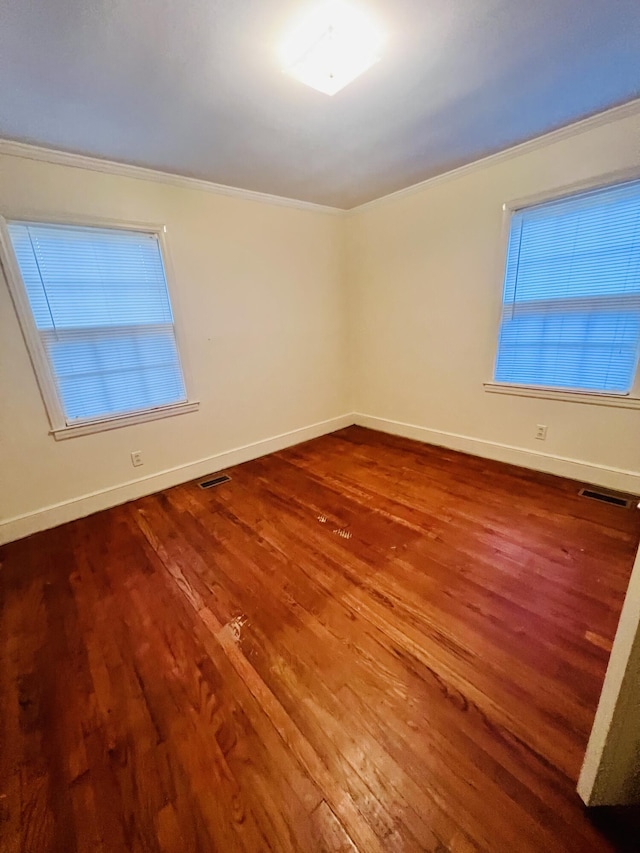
column 571, row 304
column 100, row 303
column 91, row 276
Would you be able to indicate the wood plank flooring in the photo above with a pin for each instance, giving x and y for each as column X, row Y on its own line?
column 358, row 644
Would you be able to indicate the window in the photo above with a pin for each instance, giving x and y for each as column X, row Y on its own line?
column 571, row 304
column 104, row 327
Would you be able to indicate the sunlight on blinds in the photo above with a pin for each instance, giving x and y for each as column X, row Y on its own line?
column 100, row 303
column 571, row 305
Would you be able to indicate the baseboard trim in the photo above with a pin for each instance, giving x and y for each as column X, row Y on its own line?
column 577, row 469
column 51, row 516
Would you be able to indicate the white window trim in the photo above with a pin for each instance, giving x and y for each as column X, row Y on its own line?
column 59, row 428
column 101, row 424
column 615, row 400
column 621, row 401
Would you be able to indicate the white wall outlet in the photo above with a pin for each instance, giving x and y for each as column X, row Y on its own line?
column 136, row 458
column 541, row 432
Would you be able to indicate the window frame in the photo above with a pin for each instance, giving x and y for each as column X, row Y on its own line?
column 59, row 428
column 631, row 400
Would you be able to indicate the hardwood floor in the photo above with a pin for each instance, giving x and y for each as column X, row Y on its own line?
column 360, row 643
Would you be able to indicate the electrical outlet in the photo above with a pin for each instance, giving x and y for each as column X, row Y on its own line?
column 136, row 458
column 541, row 432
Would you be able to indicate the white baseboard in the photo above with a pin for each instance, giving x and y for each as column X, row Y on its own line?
column 577, row 469
column 51, row 516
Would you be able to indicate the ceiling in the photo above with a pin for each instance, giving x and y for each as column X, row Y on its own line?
column 195, row 87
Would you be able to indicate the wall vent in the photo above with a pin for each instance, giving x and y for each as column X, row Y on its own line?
column 214, row 481
column 608, row 497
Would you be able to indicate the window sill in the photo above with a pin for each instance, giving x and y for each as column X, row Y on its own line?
column 100, row 425
column 566, row 396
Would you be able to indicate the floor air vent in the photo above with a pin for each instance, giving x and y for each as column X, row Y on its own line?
column 608, row 497
column 214, row 481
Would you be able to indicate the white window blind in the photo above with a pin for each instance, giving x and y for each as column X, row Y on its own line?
column 100, row 304
column 571, row 306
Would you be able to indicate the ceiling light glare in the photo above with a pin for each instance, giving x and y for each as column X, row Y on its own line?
column 332, row 46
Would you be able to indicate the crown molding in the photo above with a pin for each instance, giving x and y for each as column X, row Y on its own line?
column 111, row 167
column 631, row 108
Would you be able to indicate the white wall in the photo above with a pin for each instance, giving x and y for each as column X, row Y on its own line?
column 260, row 293
column 297, row 317
column 611, row 771
column 425, row 271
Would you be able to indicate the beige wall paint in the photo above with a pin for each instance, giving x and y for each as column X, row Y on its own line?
column 259, row 291
column 426, row 283
column 297, row 318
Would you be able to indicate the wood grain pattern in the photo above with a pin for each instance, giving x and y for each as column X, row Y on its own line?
column 358, row 644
